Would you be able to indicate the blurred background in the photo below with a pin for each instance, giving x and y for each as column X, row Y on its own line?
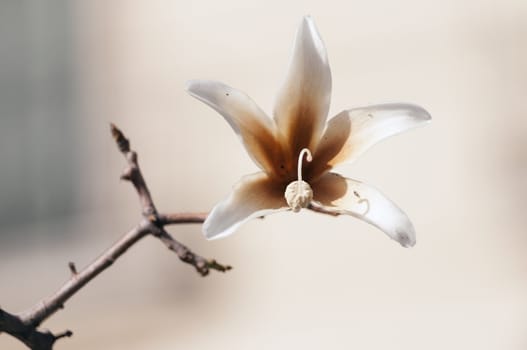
column 306, row 281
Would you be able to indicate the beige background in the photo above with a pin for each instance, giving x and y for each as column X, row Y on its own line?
column 301, row 281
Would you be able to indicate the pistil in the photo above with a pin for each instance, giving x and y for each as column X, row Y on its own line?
column 299, row 194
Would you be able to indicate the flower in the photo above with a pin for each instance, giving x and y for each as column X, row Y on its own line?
column 278, row 145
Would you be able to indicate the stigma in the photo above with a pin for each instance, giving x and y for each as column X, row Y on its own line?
column 299, row 194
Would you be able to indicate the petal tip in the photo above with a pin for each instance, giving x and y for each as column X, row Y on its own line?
column 190, row 85
column 211, row 234
column 210, row 237
column 307, row 19
column 308, row 33
column 422, row 114
column 426, row 116
column 405, row 239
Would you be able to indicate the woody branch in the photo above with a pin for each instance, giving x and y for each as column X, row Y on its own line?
column 24, row 326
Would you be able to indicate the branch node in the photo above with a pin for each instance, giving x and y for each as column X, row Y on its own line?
column 127, row 174
column 152, row 218
column 65, row 334
column 72, row 268
column 150, row 212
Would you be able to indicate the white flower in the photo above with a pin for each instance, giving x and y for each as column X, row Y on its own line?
column 299, row 124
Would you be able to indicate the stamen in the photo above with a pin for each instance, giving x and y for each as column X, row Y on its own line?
column 300, row 158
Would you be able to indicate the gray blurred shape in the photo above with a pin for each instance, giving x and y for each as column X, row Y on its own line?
column 37, row 143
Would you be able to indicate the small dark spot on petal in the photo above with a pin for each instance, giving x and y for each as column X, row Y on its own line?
column 370, row 115
column 226, row 94
column 356, row 194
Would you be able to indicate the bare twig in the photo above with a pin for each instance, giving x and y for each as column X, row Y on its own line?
column 202, row 265
column 50, row 305
column 24, row 326
column 181, row 218
column 155, row 221
column 133, row 173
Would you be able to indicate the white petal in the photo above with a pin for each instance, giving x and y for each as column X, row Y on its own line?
column 302, row 103
column 256, row 130
column 253, row 196
column 352, row 132
column 352, row 197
